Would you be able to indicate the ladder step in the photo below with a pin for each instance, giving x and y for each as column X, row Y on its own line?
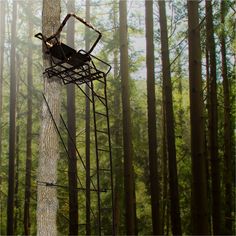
column 99, row 113
column 106, row 208
column 101, row 131
column 105, row 190
column 103, row 150
column 101, row 81
column 101, row 190
column 101, row 97
column 103, row 169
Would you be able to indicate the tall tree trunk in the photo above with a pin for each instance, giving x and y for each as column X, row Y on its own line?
column 151, row 106
column 28, row 162
column 17, row 163
column 2, row 40
column 213, row 127
column 199, row 181
column 87, row 132
column 71, row 124
column 17, row 153
column 127, row 136
column 227, row 130
column 47, row 202
column 206, row 144
column 12, row 128
column 173, row 179
column 118, row 142
column 165, row 197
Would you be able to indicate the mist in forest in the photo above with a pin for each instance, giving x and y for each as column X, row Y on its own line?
column 117, row 117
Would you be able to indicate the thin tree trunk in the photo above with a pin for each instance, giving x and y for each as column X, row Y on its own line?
column 213, row 127
column 199, row 181
column 2, row 40
column 127, row 136
column 206, row 145
column 87, row 133
column 12, row 129
column 151, row 106
column 16, row 194
column 71, row 124
column 165, row 198
column 227, row 130
column 118, row 142
column 47, row 202
column 28, row 128
column 173, row 179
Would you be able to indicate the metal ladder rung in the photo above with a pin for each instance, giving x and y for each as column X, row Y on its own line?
column 106, row 208
column 101, row 97
column 99, row 113
column 101, row 81
column 101, row 131
column 103, row 169
column 103, row 150
column 105, row 190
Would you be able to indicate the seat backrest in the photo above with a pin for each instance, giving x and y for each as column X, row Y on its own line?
column 61, row 51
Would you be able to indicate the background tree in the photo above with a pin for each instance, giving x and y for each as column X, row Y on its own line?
column 12, row 129
column 71, row 124
column 2, row 41
column 227, row 126
column 213, row 123
column 199, row 183
column 152, row 136
column 28, row 162
column 127, row 138
column 171, row 149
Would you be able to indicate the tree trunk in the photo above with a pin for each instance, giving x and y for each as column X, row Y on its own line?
column 28, row 129
column 71, row 124
column 173, row 179
column 165, row 197
column 12, row 129
column 151, row 106
column 213, row 127
column 118, row 142
column 47, row 202
column 199, row 181
column 127, row 136
column 87, row 132
column 227, row 130
column 206, row 144
column 17, row 163
column 2, row 40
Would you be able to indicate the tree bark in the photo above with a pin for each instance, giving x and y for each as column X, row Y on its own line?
column 28, row 163
column 2, row 41
column 47, row 202
column 127, row 136
column 118, row 191
column 165, row 197
column 71, row 124
column 151, row 106
column 12, row 129
column 213, row 127
column 227, row 130
column 199, row 181
column 173, row 179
